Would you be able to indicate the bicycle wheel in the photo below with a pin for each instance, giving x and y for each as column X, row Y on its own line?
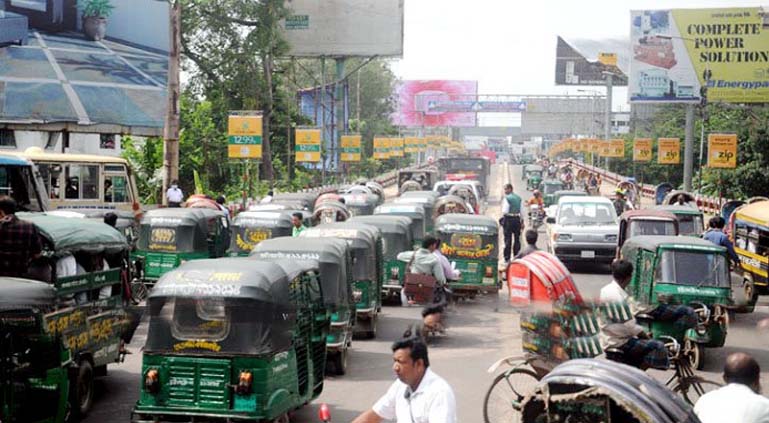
column 691, row 388
column 503, row 399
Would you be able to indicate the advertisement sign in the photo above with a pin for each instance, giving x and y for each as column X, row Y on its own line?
column 244, row 135
column 55, row 78
column 350, row 148
column 722, row 151
column 414, row 99
column 573, row 68
column 396, row 147
column 668, row 151
column 421, row 144
column 381, row 148
column 642, row 150
column 678, row 51
column 411, row 144
column 616, row 148
column 594, row 146
column 307, row 145
column 344, row 28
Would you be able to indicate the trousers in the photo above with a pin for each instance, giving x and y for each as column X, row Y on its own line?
column 511, row 228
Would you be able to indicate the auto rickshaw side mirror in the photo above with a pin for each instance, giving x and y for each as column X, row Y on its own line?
column 550, row 220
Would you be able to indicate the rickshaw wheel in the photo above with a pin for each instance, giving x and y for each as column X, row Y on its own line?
column 695, row 353
column 691, row 388
column 339, row 361
column 503, row 399
column 282, row 419
column 81, row 391
column 139, row 291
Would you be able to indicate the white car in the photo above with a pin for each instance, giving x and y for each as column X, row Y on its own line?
column 583, row 229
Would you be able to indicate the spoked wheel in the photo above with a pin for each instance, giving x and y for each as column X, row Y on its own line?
column 691, row 388
column 695, row 353
column 139, row 291
column 502, row 403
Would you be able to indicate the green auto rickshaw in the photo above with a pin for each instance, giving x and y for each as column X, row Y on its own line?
column 396, row 237
column 306, row 200
column 249, row 228
column 361, row 204
column 414, row 211
column 549, row 188
column 690, row 219
column 688, row 271
column 470, row 243
column 233, row 339
column 86, row 262
column 366, row 245
column 336, row 278
column 533, row 176
column 34, row 363
column 171, row 236
column 426, row 199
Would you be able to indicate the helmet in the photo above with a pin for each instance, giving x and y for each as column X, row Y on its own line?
column 619, row 191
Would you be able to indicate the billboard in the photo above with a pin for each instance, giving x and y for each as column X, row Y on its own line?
column 350, row 148
column 313, row 102
column 55, row 76
column 677, row 52
column 668, row 151
column 642, row 150
column 572, row 67
column 344, row 28
column 413, row 99
column 722, row 151
column 307, row 147
column 244, row 135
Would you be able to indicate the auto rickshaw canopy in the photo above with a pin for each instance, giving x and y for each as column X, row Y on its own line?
column 306, row 199
column 395, row 230
column 62, row 235
column 551, row 186
column 652, row 243
column 180, row 229
column 21, row 293
column 361, row 238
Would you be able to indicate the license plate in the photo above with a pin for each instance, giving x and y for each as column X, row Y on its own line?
column 488, row 281
column 588, row 254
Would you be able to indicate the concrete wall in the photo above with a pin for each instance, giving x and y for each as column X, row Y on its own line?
column 143, row 22
column 78, row 143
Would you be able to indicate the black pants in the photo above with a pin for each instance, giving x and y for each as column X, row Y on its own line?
column 511, row 227
column 174, row 204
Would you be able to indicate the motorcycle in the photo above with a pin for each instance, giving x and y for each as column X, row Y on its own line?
column 536, row 216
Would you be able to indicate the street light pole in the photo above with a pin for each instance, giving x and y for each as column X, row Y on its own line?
column 607, row 117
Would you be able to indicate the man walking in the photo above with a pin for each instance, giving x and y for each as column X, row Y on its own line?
column 174, row 195
column 419, row 395
column 19, row 241
column 511, row 222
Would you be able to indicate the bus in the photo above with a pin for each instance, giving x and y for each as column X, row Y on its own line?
column 21, row 181
column 80, row 181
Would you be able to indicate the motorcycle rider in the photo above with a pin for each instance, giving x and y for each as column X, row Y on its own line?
column 536, row 200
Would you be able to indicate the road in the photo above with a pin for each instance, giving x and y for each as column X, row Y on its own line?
column 480, row 332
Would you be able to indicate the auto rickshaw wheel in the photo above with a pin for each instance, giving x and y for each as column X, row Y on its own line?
column 81, row 390
column 339, row 362
column 371, row 333
column 751, row 296
column 285, row 418
column 695, row 353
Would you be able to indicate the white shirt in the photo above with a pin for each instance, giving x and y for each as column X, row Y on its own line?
column 266, row 200
column 617, row 334
column 174, row 195
column 613, row 293
column 432, row 402
column 734, row 403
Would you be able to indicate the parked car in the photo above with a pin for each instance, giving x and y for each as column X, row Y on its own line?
column 583, row 229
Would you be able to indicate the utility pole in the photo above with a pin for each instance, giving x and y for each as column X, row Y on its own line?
column 323, row 118
column 340, row 110
column 689, row 147
column 607, row 117
column 171, row 127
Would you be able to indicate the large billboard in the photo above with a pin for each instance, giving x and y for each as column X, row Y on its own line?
column 678, row 51
column 415, row 101
column 344, row 28
column 56, row 74
column 572, row 66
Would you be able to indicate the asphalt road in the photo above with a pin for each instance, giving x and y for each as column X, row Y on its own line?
column 480, row 332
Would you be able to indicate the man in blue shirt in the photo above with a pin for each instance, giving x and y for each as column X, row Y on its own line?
column 716, row 235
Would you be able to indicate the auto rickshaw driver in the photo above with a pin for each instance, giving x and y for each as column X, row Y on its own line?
column 621, row 205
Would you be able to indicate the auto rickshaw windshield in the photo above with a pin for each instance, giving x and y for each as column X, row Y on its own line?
column 652, row 227
column 393, row 244
column 692, row 268
column 551, row 188
column 690, row 224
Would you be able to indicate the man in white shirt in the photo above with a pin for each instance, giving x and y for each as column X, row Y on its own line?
column 174, row 195
column 419, row 395
column 740, row 401
column 449, row 272
column 267, row 198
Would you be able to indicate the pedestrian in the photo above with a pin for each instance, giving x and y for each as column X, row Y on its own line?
column 419, row 395
column 174, row 195
column 110, row 219
column 267, row 198
column 511, row 222
column 740, row 401
column 297, row 220
column 716, row 235
column 531, row 243
column 220, row 200
column 20, row 242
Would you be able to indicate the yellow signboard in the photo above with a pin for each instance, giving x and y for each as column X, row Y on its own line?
column 594, row 146
column 722, row 151
column 307, row 145
column 396, row 147
column 350, row 148
column 642, row 150
column 411, row 144
column 244, row 136
column 421, row 144
column 609, row 59
column 668, row 151
column 616, row 148
column 381, row 148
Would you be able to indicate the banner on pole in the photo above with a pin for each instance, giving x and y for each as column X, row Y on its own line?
column 396, row 147
column 381, row 148
column 668, row 151
column 642, row 150
column 307, row 145
column 244, row 135
column 722, row 151
column 411, row 144
column 350, row 148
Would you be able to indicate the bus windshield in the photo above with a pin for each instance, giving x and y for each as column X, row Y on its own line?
column 18, row 182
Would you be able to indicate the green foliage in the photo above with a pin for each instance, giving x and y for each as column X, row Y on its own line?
column 95, row 8
column 146, row 159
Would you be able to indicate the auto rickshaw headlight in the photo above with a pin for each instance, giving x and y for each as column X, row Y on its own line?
column 152, row 381
column 245, row 381
column 394, row 273
column 357, row 295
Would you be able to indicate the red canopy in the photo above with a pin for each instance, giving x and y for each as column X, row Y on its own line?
column 539, row 277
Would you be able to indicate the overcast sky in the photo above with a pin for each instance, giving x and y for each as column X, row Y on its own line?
column 508, row 46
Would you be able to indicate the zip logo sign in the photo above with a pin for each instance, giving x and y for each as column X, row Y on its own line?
column 722, row 151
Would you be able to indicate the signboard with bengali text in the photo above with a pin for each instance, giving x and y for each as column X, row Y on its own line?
column 668, row 151
column 722, row 151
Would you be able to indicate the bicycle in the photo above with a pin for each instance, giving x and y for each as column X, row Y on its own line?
column 503, row 399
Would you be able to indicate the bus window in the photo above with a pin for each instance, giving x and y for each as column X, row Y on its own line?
column 82, row 182
column 115, row 189
column 18, row 182
column 51, row 174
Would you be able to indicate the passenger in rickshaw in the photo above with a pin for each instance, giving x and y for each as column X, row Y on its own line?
column 621, row 205
column 297, row 220
column 531, row 243
column 716, row 235
column 425, row 262
column 622, row 333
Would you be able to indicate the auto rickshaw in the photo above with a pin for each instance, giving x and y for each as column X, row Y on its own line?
column 750, row 233
column 690, row 219
column 414, row 211
column 533, row 176
column 306, row 199
column 366, row 246
column 549, row 188
column 451, row 204
column 470, row 241
column 468, row 195
column 423, row 178
column 167, row 237
column 632, row 193
column 335, row 263
column 427, row 201
column 377, row 189
column 330, row 211
column 126, row 221
column 361, row 204
column 86, row 262
column 249, row 228
column 661, row 191
column 396, row 236
column 283, row 205
column 233, row 339
column 646, row 222
column 671, row 198
column 682, row 270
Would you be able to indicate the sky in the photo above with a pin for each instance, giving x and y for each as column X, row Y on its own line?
column 508, row 46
